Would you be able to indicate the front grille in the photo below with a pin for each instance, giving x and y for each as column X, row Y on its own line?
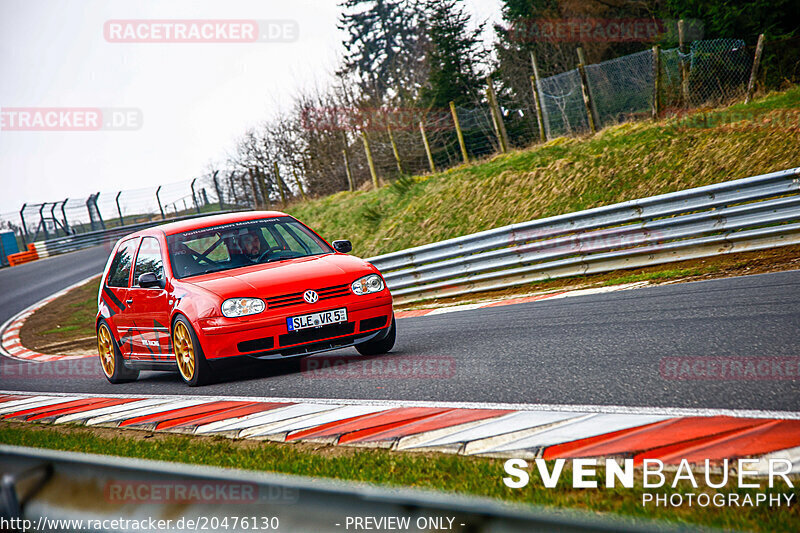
column 256, row 345
column 316, row 334
column 297, row 297
column 372, row 323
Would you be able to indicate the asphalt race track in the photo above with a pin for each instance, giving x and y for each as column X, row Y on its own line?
column 604, row 349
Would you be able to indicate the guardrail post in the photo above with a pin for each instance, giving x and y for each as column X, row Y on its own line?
column 370, row 162
column 160, row 207
column 497, row 117
column 427, row 147
column 194, row 197
column 24, row 227
column 459, row 133
column 537, row 98
column 219, row 191
column 119, row 209
column 756, row 62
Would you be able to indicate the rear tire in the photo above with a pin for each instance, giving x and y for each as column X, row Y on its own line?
column 110, row 357
column 192, row 365
column 382, row 346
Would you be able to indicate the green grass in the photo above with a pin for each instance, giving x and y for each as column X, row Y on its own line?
column 620, row 163
column 79, row 316
column 464, row 475
column 674, row 273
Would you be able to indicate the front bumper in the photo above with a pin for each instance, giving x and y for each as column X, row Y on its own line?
column 268, row 337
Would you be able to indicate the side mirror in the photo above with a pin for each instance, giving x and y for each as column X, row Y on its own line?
column 344, row 247
column 148, row 280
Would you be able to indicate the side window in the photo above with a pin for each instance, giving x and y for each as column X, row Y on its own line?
column 120, row 271
column 148, row 260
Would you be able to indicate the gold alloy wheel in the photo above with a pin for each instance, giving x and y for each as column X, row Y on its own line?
column 184, row 350
column 105, row 345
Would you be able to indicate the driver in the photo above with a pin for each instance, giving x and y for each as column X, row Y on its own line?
column 247, row 248
column 250, row 243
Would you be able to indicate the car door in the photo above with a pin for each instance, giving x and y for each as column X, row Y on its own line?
column 149, row 311
column 115, row 293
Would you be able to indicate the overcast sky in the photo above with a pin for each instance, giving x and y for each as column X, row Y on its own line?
column 195, row 99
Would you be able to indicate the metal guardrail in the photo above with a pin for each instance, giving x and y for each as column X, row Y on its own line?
column 734, row 216
column 740, row 215
column 45, row 485
column 79, row 241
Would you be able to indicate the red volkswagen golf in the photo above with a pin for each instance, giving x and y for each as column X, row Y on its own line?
column 256, row 284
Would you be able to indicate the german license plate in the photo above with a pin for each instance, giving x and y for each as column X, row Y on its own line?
column 315, row 320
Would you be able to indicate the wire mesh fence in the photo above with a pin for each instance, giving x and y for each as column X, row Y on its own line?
column 356, row 147
column 621, row 88
column 109, row 209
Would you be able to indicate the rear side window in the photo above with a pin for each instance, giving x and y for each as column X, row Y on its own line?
column 120, row 271
column 148, row 260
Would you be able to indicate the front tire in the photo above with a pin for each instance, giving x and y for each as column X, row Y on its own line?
column 192, row 365
column 382, row 346
column 110, row 357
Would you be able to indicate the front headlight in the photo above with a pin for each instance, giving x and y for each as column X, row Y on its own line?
column 368, row 284
column 242, row 307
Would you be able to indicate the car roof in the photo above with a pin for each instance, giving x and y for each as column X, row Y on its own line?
column 180, row 226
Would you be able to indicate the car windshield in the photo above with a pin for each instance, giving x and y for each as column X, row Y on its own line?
column 239, row 244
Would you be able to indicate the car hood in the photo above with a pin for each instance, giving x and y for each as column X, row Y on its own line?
column 284, row 277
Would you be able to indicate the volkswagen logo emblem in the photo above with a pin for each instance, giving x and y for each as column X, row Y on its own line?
column 310, row 297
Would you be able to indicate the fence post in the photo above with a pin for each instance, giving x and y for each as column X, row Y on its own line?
column 24, row 227
column 350, row 185
column 232, row 184
column 682, row 62
column 299, row 184
column 44, row 224
column 64, row 215
column 253, row 189
column 395, row 150
column 219, row 191
column 93, row 200
column 369, row 159
column 431, row 164
column 53, row 216
column 537, row 100
column 160, row 207
column 119, row 209
column 756, row 62
column 194, row 197
column 656, row 81
column 262, row 184
column 587, row 95
column 459, row 133
column 280, row 182
column 497, row 117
